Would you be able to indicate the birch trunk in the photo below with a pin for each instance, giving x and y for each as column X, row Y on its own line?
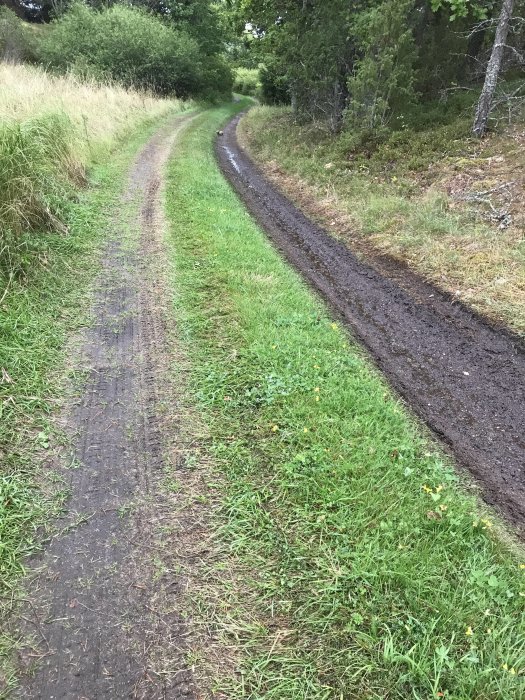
column 493, row 69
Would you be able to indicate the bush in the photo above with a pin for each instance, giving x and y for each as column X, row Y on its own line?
column 275, row 89
column 133, row 47
column 247, row 82
column 15, row 39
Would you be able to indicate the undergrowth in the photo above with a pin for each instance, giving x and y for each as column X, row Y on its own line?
column 36, row 178
column 362, row 567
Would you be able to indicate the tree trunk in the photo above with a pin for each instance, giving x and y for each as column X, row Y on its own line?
column 493, row 69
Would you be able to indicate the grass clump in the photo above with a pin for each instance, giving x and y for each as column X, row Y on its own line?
column 391, row 194
column 36, row 177
column 51, row 130
column 102, row 113
column 366, row 569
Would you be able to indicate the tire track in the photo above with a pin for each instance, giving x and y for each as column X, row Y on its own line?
column 106, row 606
column 463, row 377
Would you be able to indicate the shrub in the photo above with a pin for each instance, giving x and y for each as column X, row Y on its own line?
column 133, row 47
column 15, row 39
column 275, row 88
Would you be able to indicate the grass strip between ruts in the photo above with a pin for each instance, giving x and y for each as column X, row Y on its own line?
column 369, row 570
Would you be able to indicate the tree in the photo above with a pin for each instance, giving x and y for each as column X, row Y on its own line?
column 493, row 69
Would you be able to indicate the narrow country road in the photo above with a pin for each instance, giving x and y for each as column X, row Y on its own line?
column 465, row 379
column 104, row 603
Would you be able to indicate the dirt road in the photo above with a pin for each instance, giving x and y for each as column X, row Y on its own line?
column 105, row 605
column 465, row 379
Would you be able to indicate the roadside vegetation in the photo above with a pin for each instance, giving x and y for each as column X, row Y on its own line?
column 361, row 566
column 51, row 129
column 372, row 123
column 433, row 197
column 112, row 44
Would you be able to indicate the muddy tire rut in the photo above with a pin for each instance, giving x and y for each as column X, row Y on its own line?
column 463, row 377
column 104, row 606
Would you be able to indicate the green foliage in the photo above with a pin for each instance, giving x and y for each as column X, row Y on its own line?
column 365, row 58
column 275, row 87
column 16, row 43
column 37, row 169
column 134, row 48
column 479, row 9
column 383, row 77
column 247, row 81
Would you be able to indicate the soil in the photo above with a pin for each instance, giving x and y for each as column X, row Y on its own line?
column 105, row 605
column 464, row 377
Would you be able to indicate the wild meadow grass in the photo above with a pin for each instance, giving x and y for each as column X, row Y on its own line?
column 101, row 113
column 362, row 567
column 389, row 196
column 51, row 129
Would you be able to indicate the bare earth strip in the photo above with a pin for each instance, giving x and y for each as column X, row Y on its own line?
column 105, row 607
column 465, row 378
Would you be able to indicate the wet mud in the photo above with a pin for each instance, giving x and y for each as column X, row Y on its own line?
column 464, row 377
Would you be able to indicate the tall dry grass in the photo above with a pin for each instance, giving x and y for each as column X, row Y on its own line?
column 51, row 127
column 101, row 113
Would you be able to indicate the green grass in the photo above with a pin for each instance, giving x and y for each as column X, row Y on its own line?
column 37, row 175
column 363, row 568
column 37, row 317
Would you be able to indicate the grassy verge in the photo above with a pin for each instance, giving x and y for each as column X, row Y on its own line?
column 407, row 197
column 363, row 568
column 37, row 316
column 51, row 128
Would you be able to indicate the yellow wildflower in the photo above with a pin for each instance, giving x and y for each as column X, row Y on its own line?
column 275, row 428
column 512, row 671
column 505, row 667
column 333, row 326
column 305, row 430
column 426, row 488
column 522, row 566
column 469, row 632
column 317, row 390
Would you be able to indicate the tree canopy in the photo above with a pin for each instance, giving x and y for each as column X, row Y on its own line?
column 364, row 61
